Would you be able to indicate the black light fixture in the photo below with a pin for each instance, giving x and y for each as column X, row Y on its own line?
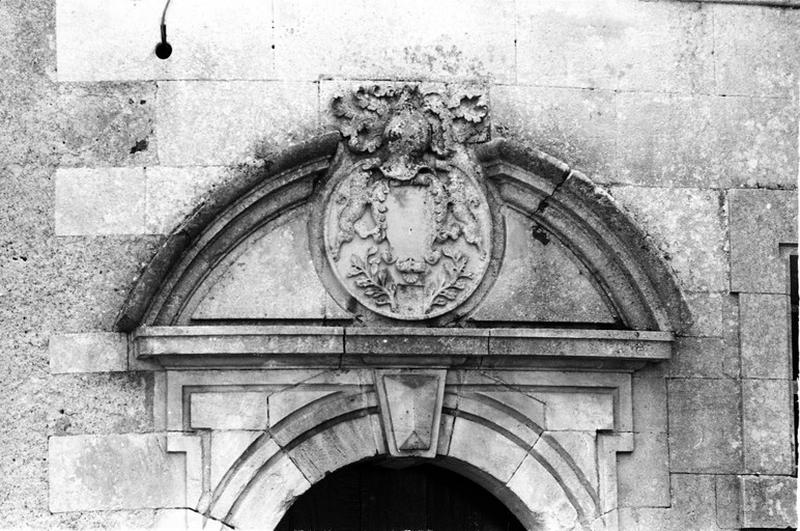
column 163, row 48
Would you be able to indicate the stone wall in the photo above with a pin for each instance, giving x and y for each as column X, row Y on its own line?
column 685, row 112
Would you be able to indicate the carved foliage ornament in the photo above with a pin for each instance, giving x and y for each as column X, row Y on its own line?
column 407, row 222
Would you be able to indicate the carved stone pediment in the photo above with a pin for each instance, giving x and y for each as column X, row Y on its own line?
column 407, row 224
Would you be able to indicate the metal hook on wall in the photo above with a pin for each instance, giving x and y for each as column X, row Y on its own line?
column 163, row 48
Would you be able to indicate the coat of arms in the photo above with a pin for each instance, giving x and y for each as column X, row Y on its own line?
column 407, row 223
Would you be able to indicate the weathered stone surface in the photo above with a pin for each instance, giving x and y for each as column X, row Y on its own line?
column 714, row 314
column 333, row 448
column 569, row 476
column 729, row 501
column 756, row 52
column 707, row 357
column 221, row 123
column 191, row 446
column 29, row 100
column 761, row 220
column 522, row 402
column 264, row 453
column 288, row 286
column 27, row 28
column 100, row 41
column 765, row 336
column 522, row 427
column 88, row 352
column 99, row 403
column 179, row 344
column 172, row 193
column 578, row 411
column 226, row 448
column 107, row 125
column 477, row 45
column 649, row 403
column 683, row 140
column 89, row 473
column 769, row 501
column 270, row 495
column 577, row 126
column 687, row 227
column 485, row 448
column 768, row 426
column 581, row 447
column 693, row 507
column 644, row 473
column 545, row 496
column 531, row 283
column 568, row 344
column 704, row 426
column 99, row 201
column 284, row 403
column 632, row 46
column 415, row 340
column 93, row 276
column 229, row 411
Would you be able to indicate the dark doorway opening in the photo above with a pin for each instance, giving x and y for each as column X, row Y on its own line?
column 374, row 497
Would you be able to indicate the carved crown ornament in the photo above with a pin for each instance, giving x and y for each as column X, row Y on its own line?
column 407, row 226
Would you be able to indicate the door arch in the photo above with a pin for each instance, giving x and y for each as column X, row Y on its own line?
column 388, row 495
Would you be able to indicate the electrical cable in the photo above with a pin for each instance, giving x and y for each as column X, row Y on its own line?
column 163, row 48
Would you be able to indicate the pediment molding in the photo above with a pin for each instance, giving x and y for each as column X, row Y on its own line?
column 622, row 265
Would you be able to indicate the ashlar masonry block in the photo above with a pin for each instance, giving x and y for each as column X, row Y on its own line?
column 107, row 472
column 231, row 410
column 487, row 449
column 704, row 141
column 704, row 426
column 615, row 44
column 107, row 124
column 756, row 50
column 572, row 124
column 764, row 332
column 644, row 474
column 769, row 501
column 768, row 437
column 693, row 507
column 761, row 221
column 704, row 357
column 687, row 226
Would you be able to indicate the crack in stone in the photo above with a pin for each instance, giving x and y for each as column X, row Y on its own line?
column 542, row 206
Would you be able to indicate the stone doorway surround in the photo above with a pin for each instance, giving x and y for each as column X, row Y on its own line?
column 531, row 405
column 543, row 439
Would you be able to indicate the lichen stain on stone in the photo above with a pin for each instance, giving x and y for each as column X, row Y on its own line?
column 443, row 59
column 140, row 145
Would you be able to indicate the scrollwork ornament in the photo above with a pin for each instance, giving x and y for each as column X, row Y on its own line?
column 407, row 223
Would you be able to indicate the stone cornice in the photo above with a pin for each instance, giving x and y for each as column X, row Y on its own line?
column 318, row 346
